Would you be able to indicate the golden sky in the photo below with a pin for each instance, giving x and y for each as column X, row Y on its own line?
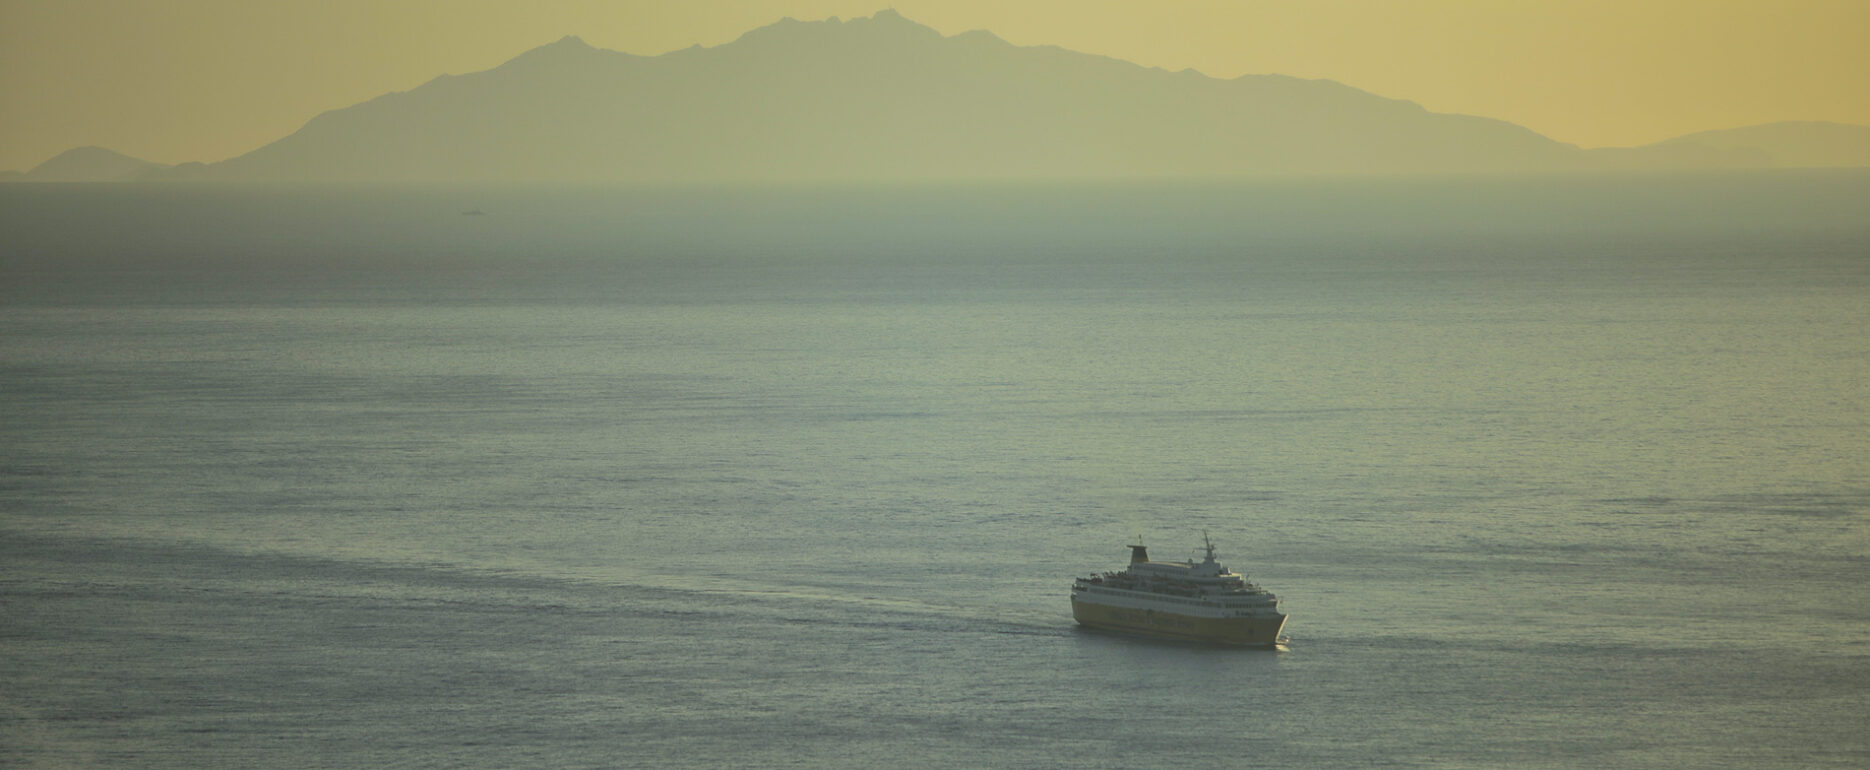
column 180, row 80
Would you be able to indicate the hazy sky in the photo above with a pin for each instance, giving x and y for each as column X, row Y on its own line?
column 179, row 80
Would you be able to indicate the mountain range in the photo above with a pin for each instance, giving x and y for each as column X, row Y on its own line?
column 886, row 99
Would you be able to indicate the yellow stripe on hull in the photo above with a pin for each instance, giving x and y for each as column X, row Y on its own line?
column 1259, row 632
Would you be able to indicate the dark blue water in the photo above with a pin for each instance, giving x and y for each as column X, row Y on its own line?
column 1550, row 473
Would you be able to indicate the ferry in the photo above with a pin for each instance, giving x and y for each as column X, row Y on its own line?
column 1186, row 600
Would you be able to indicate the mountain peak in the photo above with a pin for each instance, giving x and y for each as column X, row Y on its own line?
column 90, row 164
column 889, row 19
column 890, row 16
column 569, row 48
column 886, row 21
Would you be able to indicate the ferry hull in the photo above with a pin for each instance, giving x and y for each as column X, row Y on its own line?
column 1251, row 632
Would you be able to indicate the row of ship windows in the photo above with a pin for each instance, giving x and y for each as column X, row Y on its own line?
column 1153, row 597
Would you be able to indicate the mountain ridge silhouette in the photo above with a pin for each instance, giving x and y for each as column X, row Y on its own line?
column 883, row 98
column 877, row 98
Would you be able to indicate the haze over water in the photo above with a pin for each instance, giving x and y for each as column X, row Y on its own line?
column 1549, row 473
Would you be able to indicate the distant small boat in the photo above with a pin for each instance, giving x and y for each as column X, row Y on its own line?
column 1179, row 600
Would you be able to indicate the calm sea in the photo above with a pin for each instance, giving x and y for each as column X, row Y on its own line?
column 1549, row 473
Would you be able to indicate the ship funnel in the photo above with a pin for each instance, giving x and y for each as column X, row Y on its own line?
column 1139, row 554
